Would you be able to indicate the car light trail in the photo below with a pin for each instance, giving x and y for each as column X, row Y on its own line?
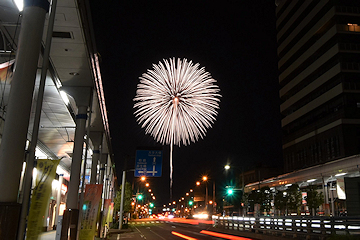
column 183, row 236
column 222, row 235
column 188, row 221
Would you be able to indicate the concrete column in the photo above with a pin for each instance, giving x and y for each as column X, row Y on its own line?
column 58, row 199
column 96, row 139
column 94, row 164
column 111, row 190
column 110, row 180
column 326, row 195
column 82, row 99
column 332, row 200
column 102, row 176
column 12, row 149
column 72, row 197
column 71, row 215
column 36, row 122
column 106, row 182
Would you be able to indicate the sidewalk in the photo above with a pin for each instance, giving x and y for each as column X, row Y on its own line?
column 113, row 233
column 50, row 235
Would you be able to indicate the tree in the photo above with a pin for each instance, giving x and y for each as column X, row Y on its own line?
column 127, row 198
column 314, row 198
column 289, row 199
column 251, row 198
column 294, row 198
column 262, row 197
column 265, row 198
column 280, row 201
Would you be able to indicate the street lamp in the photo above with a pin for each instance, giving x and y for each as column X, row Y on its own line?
column 197, row 183
column 227, row 167
column 205, row 178
column 122, row 196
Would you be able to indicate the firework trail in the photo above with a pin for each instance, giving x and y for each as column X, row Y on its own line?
column 176, row 102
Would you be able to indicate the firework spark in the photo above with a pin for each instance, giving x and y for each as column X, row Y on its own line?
column 176, row 103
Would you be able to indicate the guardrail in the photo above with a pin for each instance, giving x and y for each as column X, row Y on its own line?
column 294, row 226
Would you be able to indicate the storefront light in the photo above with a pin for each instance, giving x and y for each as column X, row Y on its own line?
column 55, row 184
column 19, row 4
column 340, row 174
column 34, row 173
column 64, row 97
column 64, row 189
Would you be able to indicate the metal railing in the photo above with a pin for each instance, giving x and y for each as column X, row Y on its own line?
column 294, row 226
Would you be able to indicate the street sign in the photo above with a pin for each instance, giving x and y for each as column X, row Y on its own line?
column 148, row 163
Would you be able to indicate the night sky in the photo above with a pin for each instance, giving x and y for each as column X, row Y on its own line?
column 235, row 41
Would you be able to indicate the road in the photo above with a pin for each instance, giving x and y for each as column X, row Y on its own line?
column 176, row 229
column 163, row 230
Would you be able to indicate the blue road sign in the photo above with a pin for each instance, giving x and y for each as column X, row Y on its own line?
column 148, row 163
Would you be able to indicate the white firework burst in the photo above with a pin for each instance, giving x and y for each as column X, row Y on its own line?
column 176, row 102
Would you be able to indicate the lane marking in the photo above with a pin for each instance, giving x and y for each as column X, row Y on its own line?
column 157, row 234
column 141, row 235
column 222, row 235
column 183, row 236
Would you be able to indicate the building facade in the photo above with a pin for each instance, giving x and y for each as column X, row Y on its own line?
column 52, row 107
column 319, row 76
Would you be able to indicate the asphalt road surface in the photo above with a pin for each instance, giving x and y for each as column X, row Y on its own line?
column 164, row 230
column 169, row 230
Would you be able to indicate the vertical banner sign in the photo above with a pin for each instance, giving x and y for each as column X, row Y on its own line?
column 6, row 71
column 90, row 211
column 107, row 203
column 46, row 170
column 110, row 213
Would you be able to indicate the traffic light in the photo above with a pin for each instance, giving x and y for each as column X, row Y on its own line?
column 140, row 197
column 151, row 205
column 191, row 203
column 230, row 191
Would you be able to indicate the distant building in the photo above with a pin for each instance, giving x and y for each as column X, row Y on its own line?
column 319, row 76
